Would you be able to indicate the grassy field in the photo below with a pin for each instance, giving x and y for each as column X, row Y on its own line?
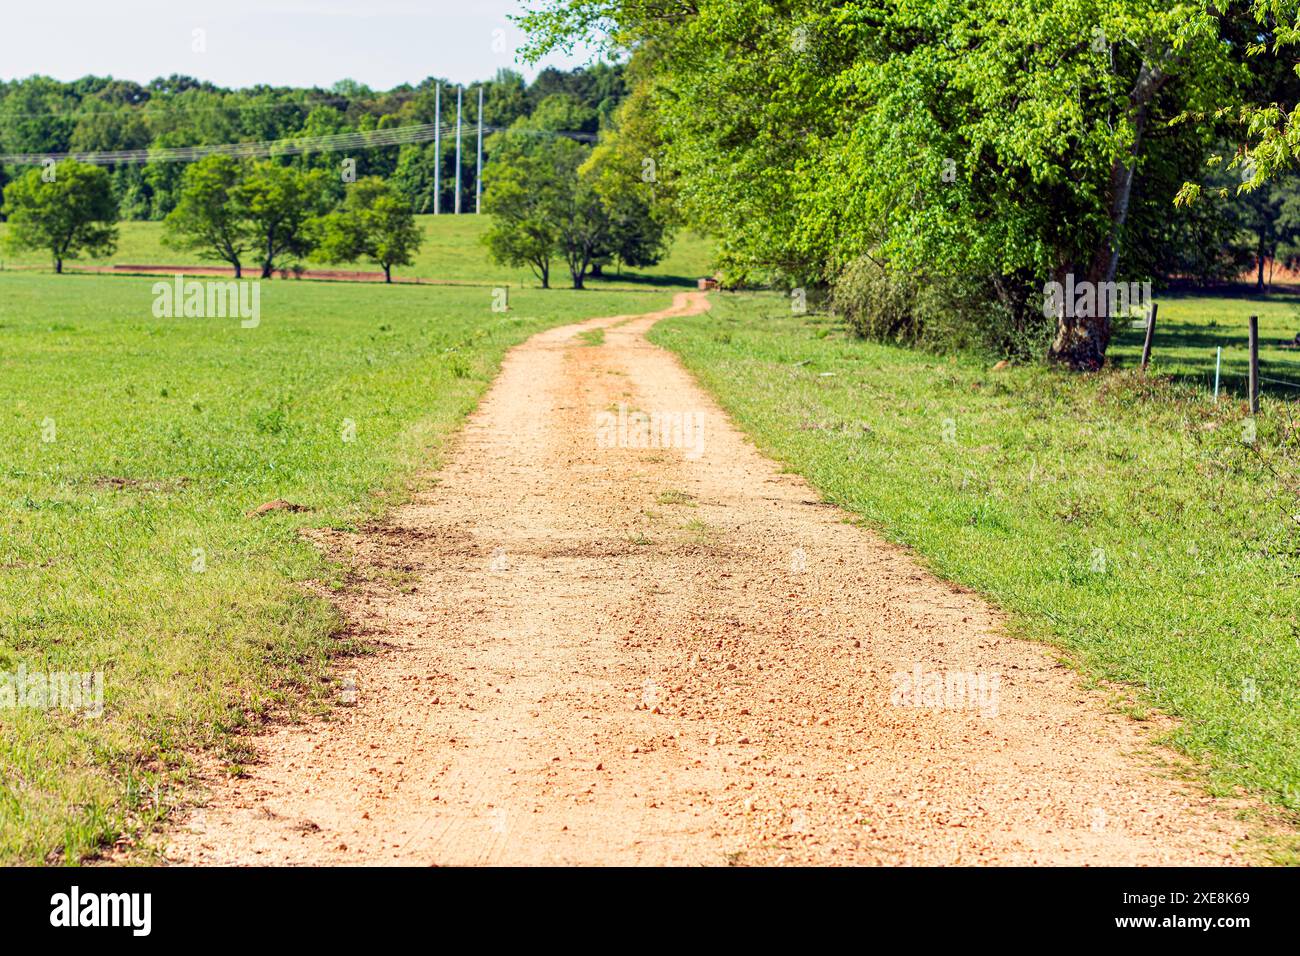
column 1191, row 327
column 452, row 252
column 131, row 448
column 1124, row 520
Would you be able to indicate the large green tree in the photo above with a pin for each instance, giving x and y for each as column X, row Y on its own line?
column 523, row 191
column 992, row 142
column 67, row 209
column 279, row 202
column 208, row 219
column 374, row 223
column 636, row 191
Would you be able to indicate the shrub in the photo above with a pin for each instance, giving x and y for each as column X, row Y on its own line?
column 941, row 313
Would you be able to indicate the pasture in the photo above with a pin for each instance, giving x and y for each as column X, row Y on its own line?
column 131, row 449
column 452, row 252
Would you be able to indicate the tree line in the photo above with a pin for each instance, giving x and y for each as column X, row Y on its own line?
column 228, row 211
column 40, row 115
column 934, row 165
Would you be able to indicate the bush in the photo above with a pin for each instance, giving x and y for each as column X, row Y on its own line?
column 941, row 313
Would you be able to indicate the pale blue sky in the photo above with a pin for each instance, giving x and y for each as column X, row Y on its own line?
column 282, row 42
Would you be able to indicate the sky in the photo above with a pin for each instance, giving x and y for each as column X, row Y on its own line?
column 381, row 43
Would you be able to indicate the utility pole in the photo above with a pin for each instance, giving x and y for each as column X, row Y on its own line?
column 459, row 90
column 437, row 150
column 478, row 177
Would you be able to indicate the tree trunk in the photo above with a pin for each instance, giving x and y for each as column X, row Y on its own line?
column 58, row 266
column 266, row 269
column 388, row 274
column 1259, row 268
column 597, row 270
column 1081, row 341
column 239, row 271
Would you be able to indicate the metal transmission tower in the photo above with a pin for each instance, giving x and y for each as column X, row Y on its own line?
column 459, row 91
column 437, row 150
column 478, row 176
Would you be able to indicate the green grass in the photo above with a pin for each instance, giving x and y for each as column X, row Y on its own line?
column 452, row 252
column 165, row 432
column 1122, row 519
column 1190, row 327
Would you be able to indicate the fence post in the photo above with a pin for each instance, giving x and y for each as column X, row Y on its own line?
column 1254, row 365
column 1151, row 334
column 1218, row 364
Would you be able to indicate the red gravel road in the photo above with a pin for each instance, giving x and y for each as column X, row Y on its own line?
column 593, row 652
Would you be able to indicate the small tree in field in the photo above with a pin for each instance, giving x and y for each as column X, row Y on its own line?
column 207, row 219
column 279, row 202
column 542, row 207
column 69, row 212
column 584, row 226
column 375, row 223
column 521, row 197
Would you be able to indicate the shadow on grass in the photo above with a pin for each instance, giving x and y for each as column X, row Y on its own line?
column 654, row 281
column 1191, row 350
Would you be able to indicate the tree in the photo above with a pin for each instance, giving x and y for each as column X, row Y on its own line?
column 73, row 212
column 541, row 205
column 583, row 228
column 374, row 223
column 637, row 194
column 279, row 202
column 208, row 219
column 991, row 142
column 520, row 194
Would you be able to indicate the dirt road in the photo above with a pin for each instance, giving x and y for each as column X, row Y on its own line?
column 641, row 655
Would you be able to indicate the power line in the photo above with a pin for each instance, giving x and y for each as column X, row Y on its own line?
column 131, row 109
column 290, row 146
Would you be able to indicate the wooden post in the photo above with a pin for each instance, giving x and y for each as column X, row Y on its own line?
column 1254, row 365
column 1151, row 334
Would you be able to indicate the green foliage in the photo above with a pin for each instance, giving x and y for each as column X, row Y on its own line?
column 41, row 115
column 279, row 202
column 994, row 143
column 207, row 219
column 524, row 191
column 374, row 223
column 638, row 197
column 553, row 196
column 452, row 251
column 936, row 312
column 73, row 212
